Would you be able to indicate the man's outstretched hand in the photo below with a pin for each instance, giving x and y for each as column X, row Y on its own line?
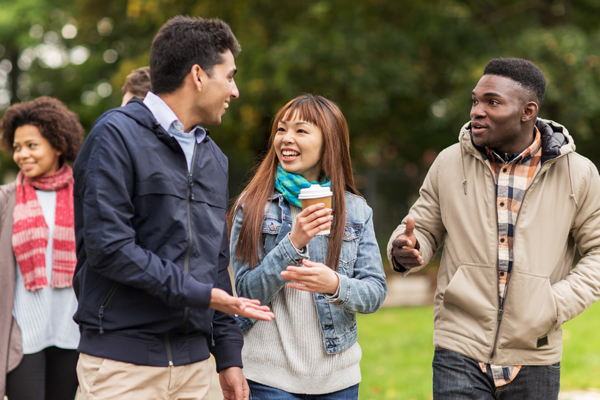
column 222, row 301
column 403, row 247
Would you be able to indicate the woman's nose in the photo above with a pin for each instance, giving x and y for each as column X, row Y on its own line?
column 288, row 137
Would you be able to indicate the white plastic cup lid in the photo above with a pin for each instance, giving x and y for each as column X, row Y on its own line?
column 315, row 192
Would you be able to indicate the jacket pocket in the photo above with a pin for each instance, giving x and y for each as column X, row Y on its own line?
column 270, row 230
column 529, row 313
column 348, row 255
column 469, row 303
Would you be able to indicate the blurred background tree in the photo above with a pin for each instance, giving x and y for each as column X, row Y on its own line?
column 401, row 71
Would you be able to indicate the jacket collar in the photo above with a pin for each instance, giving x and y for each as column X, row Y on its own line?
column 556, row 140
column 138, row 111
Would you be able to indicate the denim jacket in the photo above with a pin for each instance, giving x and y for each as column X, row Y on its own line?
column 362, row 280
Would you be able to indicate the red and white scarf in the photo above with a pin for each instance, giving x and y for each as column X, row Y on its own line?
column 30, row 231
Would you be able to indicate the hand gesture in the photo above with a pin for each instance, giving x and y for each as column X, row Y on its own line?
column 309, row 222
column 222, row 301
column 233, row 384
column 403, row 247
column 316, row 278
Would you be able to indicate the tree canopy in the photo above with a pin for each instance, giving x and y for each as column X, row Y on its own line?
column 401, row 71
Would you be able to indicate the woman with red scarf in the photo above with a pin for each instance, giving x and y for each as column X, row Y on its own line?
column 38, row 337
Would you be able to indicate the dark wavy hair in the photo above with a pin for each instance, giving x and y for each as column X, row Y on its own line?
column 56, row 123
column 526, row 73
column 183, row 42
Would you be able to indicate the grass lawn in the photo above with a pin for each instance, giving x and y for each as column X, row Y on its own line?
column 398, row 348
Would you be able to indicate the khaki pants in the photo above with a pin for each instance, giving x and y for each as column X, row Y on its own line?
column 104, row 379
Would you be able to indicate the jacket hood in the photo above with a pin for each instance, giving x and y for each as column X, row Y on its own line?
column 137, row 110
column 556, row 140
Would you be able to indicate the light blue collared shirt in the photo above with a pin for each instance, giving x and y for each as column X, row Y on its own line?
column 173, row 126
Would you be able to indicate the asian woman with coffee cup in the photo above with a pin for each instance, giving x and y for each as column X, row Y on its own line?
column 314, row 283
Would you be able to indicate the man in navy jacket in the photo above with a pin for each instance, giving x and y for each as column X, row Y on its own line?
column 150, row 218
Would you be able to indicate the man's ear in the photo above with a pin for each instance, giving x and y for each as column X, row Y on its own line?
column 529, row 111
column 198, row 76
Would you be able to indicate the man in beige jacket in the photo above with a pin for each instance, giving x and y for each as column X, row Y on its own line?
column 511, row 202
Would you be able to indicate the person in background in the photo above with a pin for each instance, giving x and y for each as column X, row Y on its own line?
column 511, row 202
column 38, row 337
column 136, row 84
column 151, row 201
column 315, row 284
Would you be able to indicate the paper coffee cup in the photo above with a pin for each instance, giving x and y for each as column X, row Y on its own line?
column 316, row 194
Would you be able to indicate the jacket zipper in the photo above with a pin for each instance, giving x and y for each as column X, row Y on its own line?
column 501, row 308
column 190, row 196
column 168, row 348
column 105, row 303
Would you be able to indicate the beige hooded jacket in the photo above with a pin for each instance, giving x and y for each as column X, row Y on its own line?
column 560, row 212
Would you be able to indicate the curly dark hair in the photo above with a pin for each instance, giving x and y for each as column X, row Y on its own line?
column 56, row 123
column 526, row 73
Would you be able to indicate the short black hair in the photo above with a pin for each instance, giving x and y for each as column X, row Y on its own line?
column 183, row 42
column 56, row 123
column 524, row 72
column 138, row 82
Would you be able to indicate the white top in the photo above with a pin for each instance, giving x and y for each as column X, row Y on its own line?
column 288, row 353
column 45, row 316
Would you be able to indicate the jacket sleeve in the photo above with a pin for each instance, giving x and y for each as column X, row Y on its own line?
column 227, row 340
column 365, row 290
column 429, row 228
column 105, row 183
column 581, row 287
column 264, row 281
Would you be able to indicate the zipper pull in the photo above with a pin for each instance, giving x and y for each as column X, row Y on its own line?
column 500, row 312
column 191, row 186
column 212, row 339
column 100, row 316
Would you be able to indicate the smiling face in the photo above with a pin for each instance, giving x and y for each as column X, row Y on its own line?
column 33, row 153
column 299, row 145
column 217, row 89
column 499, row 110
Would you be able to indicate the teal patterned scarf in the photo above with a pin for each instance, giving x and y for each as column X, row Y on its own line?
column 289, row 185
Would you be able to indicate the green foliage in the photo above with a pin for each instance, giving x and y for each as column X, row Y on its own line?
column 402, row 71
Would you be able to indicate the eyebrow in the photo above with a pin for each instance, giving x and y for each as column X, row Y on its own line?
column 27, row 141
column 297, row 123
column 488, row 94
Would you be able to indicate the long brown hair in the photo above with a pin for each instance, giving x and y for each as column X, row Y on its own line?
column 335, row 163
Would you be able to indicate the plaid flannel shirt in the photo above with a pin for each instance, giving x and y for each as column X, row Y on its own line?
column 512, row 178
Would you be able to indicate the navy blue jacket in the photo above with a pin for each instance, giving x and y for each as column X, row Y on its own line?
column 151, row 244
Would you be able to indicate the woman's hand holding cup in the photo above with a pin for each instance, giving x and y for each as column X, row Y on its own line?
column 309, row 222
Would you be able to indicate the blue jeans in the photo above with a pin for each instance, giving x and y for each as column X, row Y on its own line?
column 262, row 392
column 456, row 377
